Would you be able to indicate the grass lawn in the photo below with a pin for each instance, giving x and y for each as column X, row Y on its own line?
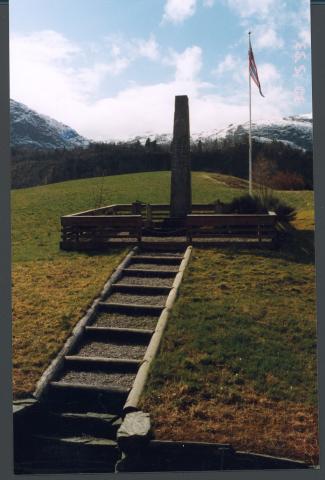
column 238, row 360
column 51, row 288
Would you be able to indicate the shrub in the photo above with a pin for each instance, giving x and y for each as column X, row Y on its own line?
column 246, row 204
column 288, row 181
column 260, row 204
column 285, row 212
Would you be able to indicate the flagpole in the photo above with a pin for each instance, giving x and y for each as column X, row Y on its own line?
column 250, row 123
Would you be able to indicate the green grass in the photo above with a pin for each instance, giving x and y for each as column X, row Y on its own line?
column 52, row 288
column 238, row 360
column 234, row 311
column 36, row 211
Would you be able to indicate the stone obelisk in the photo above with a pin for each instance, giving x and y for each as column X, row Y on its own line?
column 181, row 192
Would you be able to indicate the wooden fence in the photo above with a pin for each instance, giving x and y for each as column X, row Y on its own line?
column 95, row 228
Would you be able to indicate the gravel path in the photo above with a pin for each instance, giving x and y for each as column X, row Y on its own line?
column 150, row 281
column 99, row 378
column 153, row 266
column 164, row 239
column 126, row 321
column 113, row 350
column 160, row 254
column 128, row 298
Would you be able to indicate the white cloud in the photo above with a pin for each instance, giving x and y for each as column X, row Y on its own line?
column 248, row 8
column 229, row 64
column 265, row 36
column 121, row 47
column 45, row 46
column 269, row 74
column 187, row 64
column 305, row 37
column 147, row 48
column 150, row 108
column 232, row 72
column 237, row 68
column 48, row 81
column 208, row 3
column 176, row 11
column 49, row 56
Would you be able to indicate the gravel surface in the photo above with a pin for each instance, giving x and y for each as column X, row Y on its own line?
column 113, row 350
column 128, row 298
column 159, row 254
column 99, row 378
column 147, row 281
column 153, row 266
column 164, row 239
column 126, row 321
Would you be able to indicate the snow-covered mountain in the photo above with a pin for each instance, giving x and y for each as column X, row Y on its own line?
column 30, row 129
column 295, row 131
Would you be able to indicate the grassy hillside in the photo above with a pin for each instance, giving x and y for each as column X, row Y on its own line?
column 238, row 359
column 51, row 288
column 36, row 211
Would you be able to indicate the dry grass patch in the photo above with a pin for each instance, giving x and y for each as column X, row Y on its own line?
column 257, row 424
column 49, row 299
column 238, row 362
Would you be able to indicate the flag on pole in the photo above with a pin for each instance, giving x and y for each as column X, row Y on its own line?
column 252, row 68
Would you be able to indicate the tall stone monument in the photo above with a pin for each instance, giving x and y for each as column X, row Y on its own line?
column 181, row 192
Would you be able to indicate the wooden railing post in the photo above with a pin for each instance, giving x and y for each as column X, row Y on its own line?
column 148, row 221
column 259, row 234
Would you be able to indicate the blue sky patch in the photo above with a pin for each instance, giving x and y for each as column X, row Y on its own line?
column 111, row 68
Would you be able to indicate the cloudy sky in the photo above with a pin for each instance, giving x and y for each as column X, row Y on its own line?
column 111, row 68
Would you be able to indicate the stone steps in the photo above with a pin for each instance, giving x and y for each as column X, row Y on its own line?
column 155, row 266
column 142, row 272
column 138, row 299
column 80, row 398
column 93, row 424
column 103, row 363
column 140, row 289
column 164, row 259
column 49, row 453
column 126, row 348
column 142, row 281
column 164, row 245
column 114, row 331
column 126, row 319
column 131, row 308
column 97, row 373
column 70, row 388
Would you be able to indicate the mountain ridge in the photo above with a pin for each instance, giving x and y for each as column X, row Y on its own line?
column 293, row 130
column 36, row 131
column 33, row 130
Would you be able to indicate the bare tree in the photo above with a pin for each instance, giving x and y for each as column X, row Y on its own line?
column 263, row 172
